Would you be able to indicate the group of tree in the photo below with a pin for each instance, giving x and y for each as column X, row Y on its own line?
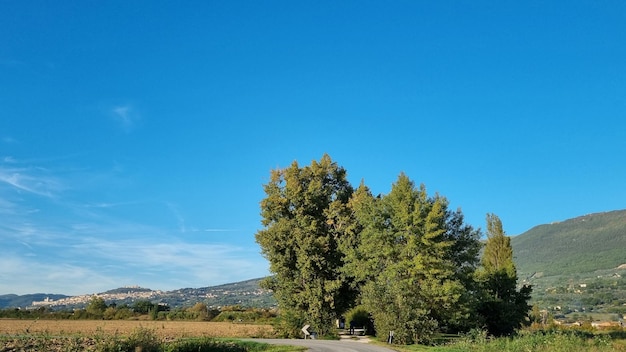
column 405, row 257
column 98, row 309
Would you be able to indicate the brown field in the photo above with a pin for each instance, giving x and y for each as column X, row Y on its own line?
column 164, row 329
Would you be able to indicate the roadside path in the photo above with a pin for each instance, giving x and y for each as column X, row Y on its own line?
column 328, row 345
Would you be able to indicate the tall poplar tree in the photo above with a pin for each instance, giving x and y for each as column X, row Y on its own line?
column 503, row 307
column 306, row 224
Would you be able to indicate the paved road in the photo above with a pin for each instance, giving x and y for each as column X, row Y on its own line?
column 328, row 346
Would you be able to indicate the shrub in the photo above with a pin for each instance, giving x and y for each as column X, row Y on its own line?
column 140, row 340
column 203, row 345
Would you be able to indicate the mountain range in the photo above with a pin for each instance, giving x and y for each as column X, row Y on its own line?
column 579, row 245
column 577, row 264
column 245, row 293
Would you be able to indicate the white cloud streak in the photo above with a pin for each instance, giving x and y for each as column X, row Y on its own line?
column 57, row 242
column 32, row 181
column 100, row 265
column 126, row 116
column 23, row 276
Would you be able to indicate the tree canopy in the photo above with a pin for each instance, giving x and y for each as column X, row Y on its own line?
column 306, row 218
column 503, row 307
column 408, row 258
column 405, row 257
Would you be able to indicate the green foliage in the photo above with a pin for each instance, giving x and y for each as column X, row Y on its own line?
column 502, row 307
column 250, row 315
column 305, row 219
column 360, row 317
column 414, row 260
column 96, row 307
column 556, row 341
column 228, row 345
column 144, row 307
column 204, row 345
column 559, row 259
column 289, row 323
column 580, row 245
column 498, row 254
column 140, row 340
column 198, row 312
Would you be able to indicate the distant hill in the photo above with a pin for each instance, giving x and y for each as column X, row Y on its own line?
column 577, row 263
column 22, row 301
column 128, row 290
column 580, row 245
column 576, row 266
column 245, row 293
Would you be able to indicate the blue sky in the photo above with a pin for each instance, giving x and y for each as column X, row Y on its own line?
column 135, row 137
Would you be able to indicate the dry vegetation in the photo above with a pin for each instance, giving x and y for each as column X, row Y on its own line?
column 164, row 329
column 121, row 335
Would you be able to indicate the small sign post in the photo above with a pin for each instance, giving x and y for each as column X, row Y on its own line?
column 305, row 330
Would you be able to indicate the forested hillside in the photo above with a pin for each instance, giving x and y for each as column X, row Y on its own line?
column 576, row 266
column 580, row 245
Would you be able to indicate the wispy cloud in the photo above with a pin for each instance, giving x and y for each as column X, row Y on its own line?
column 126, row 116
column 59, row 239
column 7, row 206
column 70, row 264
column 219, row 230
column 106, row 205
column 181, row 221
column 25, row 275
column 8, row 140
column 31, row 180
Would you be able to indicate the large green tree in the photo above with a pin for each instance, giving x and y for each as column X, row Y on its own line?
column 414, row 259
column 96, row 306
column 307, row 222
column 503, row 307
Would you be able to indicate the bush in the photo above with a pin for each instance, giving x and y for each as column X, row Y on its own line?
column 141, row 339
column 551, row 341
column 359, row 317
column 203, row 345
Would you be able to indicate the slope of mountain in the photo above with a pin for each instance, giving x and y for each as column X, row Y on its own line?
column 580, row 245
column 576, row 266
column 245, row 293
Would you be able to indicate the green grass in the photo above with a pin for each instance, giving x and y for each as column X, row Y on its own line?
column 252, row 346
column 224, row 345
column 563, row 341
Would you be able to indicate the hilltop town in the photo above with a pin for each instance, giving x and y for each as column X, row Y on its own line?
column 133, row 293
column 245, row 293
